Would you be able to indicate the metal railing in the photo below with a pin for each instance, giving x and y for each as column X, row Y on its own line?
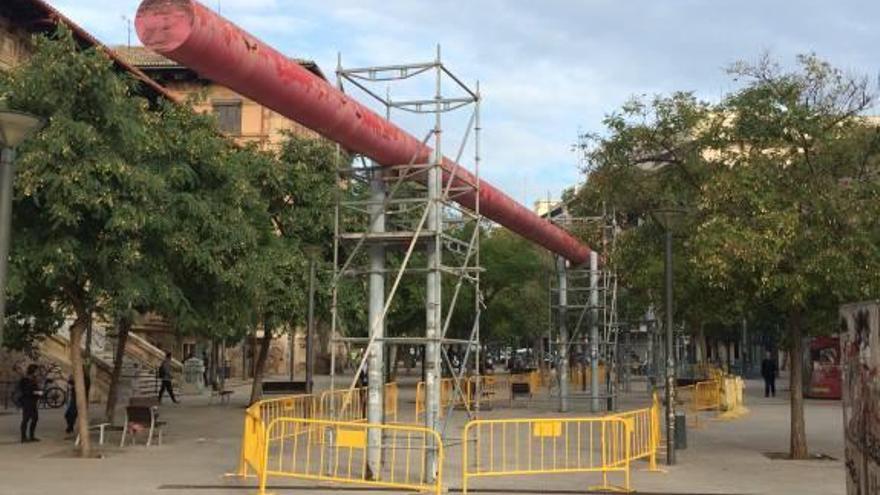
column 336, row 451
column 514, row 447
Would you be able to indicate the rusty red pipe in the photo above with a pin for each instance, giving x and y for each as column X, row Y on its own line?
column 193, row 35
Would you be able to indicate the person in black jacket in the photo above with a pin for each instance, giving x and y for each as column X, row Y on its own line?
column 71, row 413
column 30, row 396
column 769, row 371
column 165, row 377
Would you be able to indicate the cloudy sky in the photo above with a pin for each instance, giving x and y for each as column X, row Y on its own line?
column 548, row 68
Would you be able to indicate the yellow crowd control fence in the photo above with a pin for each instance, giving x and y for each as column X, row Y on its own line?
column 340, row 455
column 581, row 376
column 527, row 447
column 707, row 395
column 699, row 397
column 646, row 437
column 256, row 419
column 351, row 404
column 448, row 395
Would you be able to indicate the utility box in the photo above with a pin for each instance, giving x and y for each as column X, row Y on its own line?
column 681, row 434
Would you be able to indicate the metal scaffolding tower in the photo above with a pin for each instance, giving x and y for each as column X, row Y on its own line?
column 407, row 223
column 583, row 303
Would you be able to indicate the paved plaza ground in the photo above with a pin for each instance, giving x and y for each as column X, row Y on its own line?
column 202, row 443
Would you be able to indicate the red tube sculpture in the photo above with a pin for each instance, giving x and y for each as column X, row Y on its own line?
column 193, row 35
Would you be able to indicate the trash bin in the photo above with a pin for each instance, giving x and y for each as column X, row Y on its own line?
column 681, row 434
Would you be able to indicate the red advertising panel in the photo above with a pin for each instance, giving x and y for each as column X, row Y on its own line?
column 860, row 344
column 823, row 374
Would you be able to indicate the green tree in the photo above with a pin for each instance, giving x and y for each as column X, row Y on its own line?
column 298, row 191
column 791, row 217
column 82, row 199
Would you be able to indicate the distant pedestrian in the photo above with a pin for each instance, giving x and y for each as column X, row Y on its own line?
column 71, row 413
column 207, row 366
column 165, row 377
column 30, row 393
column 768, row 372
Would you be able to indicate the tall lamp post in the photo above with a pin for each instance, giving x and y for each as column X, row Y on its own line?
column 15, row 128
column 668, row 218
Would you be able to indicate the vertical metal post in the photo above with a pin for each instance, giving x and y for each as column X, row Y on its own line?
column 310, row 330
column 744, row 349
column 670, row 357
column 433, row 291
column 291, row 343
column 375, row 371
column 563, row 334
column 7, row 177
column 478, row 388
column 594, row 331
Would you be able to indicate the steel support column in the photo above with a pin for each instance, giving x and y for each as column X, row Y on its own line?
column 563, row 334
column 594, row 332
column 376, row 366
column 434, row 294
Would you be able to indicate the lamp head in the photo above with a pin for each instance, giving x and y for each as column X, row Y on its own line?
column 16, row 127
column 669, row 218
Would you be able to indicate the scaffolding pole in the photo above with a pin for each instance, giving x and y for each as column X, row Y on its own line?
column 562, row 275
column 594, row 332
column 375, row 371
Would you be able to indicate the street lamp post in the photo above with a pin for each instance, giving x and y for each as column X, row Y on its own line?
column 667, row 218
column 15, row 127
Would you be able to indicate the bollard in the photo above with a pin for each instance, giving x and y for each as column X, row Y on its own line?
column 680, row 431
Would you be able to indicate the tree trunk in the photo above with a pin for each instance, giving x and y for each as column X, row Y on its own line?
column 260, row 368
column 701, row 345
column 798, row 431
column 123, row 327
column 79, row 384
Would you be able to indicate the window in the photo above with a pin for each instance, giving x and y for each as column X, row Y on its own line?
column 228, row 115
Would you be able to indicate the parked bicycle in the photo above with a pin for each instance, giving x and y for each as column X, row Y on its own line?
column 50, row 375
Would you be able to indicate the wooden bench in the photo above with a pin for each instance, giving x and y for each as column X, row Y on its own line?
column 285, row 387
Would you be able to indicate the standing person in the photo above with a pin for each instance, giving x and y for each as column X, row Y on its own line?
column 206, row 363
column 768, row 371
column 30, row 395
column 165, row 376
column 71, row 413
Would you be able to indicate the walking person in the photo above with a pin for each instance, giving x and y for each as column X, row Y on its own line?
column 165, row 376
column 769, row 371
column 30, row 395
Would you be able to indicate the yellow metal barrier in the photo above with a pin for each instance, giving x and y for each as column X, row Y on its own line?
column 341, row 454
column 351, row 404
column 488, row 389
column 256, row 419
column 513, row 447
column 343, row 404
column 707, row 396
column 580, row 376
column 448, row 395
column 646, row 437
